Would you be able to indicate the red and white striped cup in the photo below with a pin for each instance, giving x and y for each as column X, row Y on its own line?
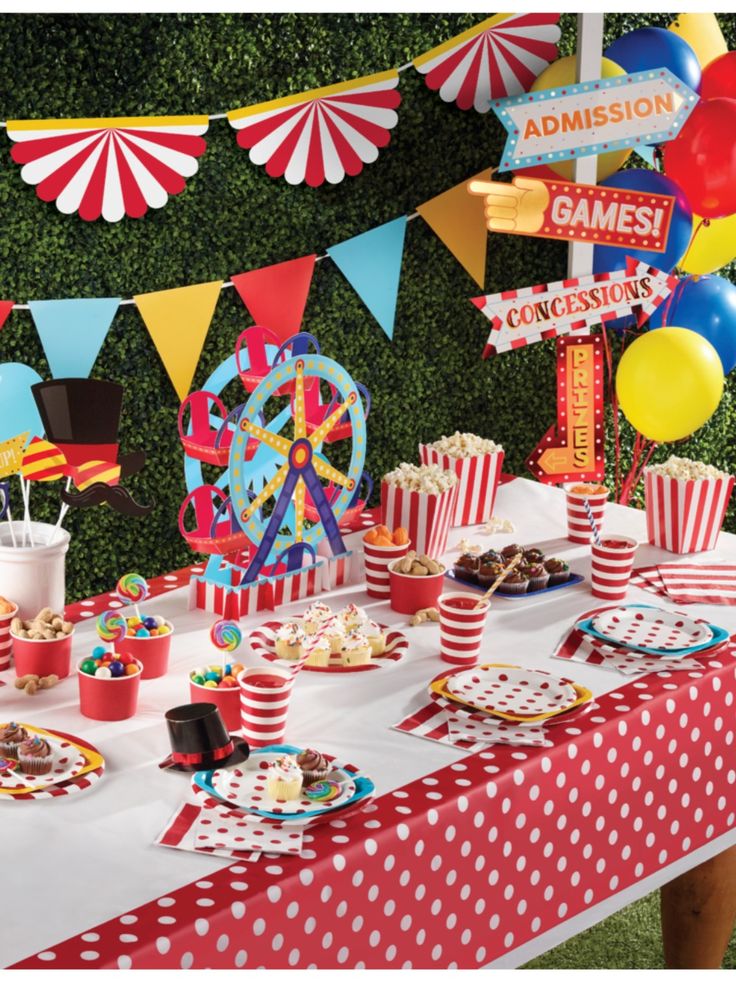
column 611, row 567
column 6, row 641
column 377, row 561
column 461, row 627
column 578, row 525
column 264, row 704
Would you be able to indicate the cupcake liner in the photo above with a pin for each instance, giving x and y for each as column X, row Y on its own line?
column 561, row 577
column 35, row 765
column 539, row 582
column 506, row 587
column 10, row 750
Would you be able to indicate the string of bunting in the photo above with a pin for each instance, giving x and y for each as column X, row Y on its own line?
column 112, row 167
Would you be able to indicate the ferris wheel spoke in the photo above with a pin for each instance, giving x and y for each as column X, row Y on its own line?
column 276, row 481
column 331, row 473
column 278, row 443
column 327, row 425
column 300, row 418
column 299, row 496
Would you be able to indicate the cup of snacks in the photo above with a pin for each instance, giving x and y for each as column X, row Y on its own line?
column 421, row 498
column 381, row 547
column 686, row 503
column 416, row 583
column 109, row 680
column 218, row 683
column 8, row 612
column 578, row 524
column 147, row 638
column 478, row 463
column 43, row 645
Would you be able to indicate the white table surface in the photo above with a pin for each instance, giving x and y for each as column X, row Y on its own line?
column 89, row 857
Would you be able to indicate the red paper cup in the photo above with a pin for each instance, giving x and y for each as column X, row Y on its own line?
column 578, row 526
column 227, row 700
column 6, row 639
column 42, row 657
column 461, row 628
column 152, row 653
column 412, row 593
column 108, row 699
column 264, row 704
column 611, row 566
column 377, row 559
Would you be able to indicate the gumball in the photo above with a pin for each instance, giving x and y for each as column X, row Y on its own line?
column 131, row 669
column 228, row 682
column 88, row 666
column 150, row 622
column 103, row 672
column 212, row 677
column 142, row 632
column 198, row 679
column 210, row 684
column 236, row 669
column 164, row 629
column 99, row 651
column 117, row 669
column 125, row 658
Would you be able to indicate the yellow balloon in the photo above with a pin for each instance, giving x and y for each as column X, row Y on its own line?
column 669, row 382
column 703, row 33
column 563, row 72
column 711, row 246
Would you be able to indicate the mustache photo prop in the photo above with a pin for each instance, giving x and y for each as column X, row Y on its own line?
column 116, row 497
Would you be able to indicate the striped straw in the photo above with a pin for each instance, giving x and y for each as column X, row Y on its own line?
column 308, row 645
column 593, row 526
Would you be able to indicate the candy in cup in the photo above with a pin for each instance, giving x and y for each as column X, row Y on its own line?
column 109, row 680
column 217, row 683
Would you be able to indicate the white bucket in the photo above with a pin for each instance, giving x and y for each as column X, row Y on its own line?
column 33, row 576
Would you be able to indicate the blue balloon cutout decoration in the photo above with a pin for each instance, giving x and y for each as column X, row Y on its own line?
column 707, row 306
column 654, row 47
column 18, row 412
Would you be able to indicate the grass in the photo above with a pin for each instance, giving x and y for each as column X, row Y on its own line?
column 628, row 939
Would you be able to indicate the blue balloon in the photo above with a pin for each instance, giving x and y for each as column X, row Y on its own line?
column 654, row 47
column 608, row 258
column 18, row 412
column 706, row 305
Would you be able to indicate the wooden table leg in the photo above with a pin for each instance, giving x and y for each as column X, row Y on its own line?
column 698, row 913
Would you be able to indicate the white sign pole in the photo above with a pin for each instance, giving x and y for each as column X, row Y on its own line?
column 590, row 52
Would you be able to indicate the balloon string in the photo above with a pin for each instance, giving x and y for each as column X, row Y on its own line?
column 703, row 222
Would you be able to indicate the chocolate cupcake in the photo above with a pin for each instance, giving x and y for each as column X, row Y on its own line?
column 537, row 575
column 466, row 567
column 559, row 571
column 35, row 756
column 488, row 573
column 515, row 583
column 11, row 737
column 509, row 552
column 491, row 557
column 533, row 555
column 314, row 766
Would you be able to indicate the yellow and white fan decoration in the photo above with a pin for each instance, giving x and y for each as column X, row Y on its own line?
column 108, row 168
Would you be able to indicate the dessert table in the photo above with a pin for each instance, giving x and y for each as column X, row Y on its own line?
column 463, row 860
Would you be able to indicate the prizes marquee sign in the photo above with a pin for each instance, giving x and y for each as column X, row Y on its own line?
column 593, row 117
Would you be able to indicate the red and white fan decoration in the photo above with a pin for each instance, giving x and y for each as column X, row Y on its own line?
column 323, row 134
column 108, row 167
column 499, row 57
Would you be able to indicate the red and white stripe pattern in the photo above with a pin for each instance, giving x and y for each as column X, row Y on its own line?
column 426, row 517
column 338, row 570
column 461, row 628
column 478, row 479
column 297, row 584
column 6, row 641
column 231, row 603
column 263, row 711
column 323, row 134
column 108, row 167
column 703, row 583
column 610, row 569
column 377, row 560
column 499, row 57
column 263, row 643
column 685, row 516
column 578, row 524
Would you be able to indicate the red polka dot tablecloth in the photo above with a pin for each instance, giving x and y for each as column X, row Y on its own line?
column 459, row 867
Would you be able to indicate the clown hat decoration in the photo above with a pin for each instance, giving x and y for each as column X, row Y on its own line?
column 82, row 418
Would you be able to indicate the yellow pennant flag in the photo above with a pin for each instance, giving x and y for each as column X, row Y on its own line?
column 178, row 321
column 11, row 454
column 458, row 219
column 703, row 33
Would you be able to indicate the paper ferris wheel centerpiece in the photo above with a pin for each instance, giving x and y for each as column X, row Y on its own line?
column 108, row 167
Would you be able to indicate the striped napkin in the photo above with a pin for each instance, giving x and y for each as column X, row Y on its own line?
column 703, row 583
column 432, row 722
column 180, row 833
column 648, row 578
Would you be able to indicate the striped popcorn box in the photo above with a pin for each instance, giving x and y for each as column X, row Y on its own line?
column 377, row 561
column 578, row 525
column 426, row 517
column 6, row 641
column 685, row 516
column 612, row 562
column 478, row 479
column 265, row 693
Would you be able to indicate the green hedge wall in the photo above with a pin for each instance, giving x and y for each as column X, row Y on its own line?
column 233, row 217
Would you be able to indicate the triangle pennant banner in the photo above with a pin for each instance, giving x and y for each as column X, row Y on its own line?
column 5, row 307
column 457, row 218
column 371, row 263
column 178, row 321
column 72, row 332
column 277, row 295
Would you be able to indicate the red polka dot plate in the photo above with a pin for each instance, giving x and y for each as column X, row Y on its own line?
column 651, row 628
column 514, row 691
column 76, row 765
column 263, row 642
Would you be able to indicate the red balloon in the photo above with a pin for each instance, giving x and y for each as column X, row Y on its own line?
column 702, row 160
column 719, row 78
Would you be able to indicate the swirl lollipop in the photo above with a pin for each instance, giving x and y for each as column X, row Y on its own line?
column 111, row 627
column 226, row 636
column 132, row 588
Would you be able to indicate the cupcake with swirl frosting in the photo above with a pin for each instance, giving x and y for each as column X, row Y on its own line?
column 35, row 756
column 11, row 737
column 314, row 766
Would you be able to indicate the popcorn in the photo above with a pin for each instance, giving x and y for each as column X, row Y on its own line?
column 465, row 445
column 684, row 469
column 427, row 478
column 495, row 524
column 466, row 547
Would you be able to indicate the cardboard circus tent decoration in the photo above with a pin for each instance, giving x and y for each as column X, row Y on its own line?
column 571, row 212
column 593, row 117
column 521, row 317
column 574, row 449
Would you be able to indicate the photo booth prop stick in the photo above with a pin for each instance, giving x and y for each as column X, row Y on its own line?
column 521, row 317
column 572, row 212
column 5, row 509
column 574, row 449
column 11, row 460
column 42, row 461
column 593, row 117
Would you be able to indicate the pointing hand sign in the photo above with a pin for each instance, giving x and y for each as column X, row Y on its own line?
column 517, row 207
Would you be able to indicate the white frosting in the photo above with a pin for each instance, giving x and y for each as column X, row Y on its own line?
column 353, row 616
column 285, row 769
column 290, row 633
column 355, row 641
column 371, row 630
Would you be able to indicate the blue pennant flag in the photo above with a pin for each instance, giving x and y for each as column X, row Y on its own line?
column 72, row 332
column 371, row 263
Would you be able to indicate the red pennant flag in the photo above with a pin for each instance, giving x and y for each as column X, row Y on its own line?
column 5, row 307
column 277, row 295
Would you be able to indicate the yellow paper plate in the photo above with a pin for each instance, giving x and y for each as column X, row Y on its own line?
column 94, row 760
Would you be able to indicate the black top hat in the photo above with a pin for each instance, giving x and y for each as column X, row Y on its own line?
column 199, row 740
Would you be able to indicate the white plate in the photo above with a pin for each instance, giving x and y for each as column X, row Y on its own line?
column 652, row 627
column 512, row 690
column 68, row 762
column 245, row 787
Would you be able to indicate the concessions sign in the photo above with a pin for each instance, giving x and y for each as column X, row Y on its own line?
column 574, row 449
column 521, row 317
column 593, row 117
column 566, row 211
